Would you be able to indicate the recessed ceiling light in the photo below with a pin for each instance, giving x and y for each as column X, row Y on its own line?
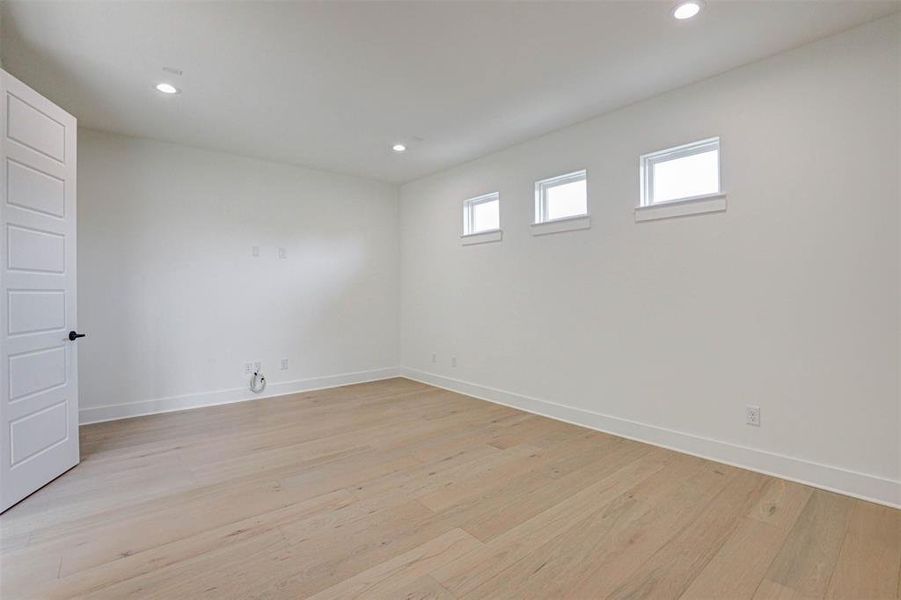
column 687, row 9
column 166, row 88
column 399, row 148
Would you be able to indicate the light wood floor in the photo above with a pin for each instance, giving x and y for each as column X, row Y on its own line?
column 395, row 489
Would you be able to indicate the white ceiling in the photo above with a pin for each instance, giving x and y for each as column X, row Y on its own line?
column 334, row 84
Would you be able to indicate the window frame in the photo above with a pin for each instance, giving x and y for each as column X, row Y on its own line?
column 543, row 185
column 469, row 213
column 649, row 160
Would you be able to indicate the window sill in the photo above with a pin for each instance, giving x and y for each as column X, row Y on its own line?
column 682, row 208
column 561, row 225
column 483, row 237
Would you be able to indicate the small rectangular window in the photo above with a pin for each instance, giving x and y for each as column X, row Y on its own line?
column 481, row 214
column 685, row 172
column 561, row 197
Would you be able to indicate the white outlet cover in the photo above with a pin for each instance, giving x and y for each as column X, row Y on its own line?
column 282, row 253
column 752, row 415
column 284, row 364
column 255, row 250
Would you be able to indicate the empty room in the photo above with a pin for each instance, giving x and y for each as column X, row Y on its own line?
column 450, row 299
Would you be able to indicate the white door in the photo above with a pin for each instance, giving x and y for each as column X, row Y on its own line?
column 38, row 362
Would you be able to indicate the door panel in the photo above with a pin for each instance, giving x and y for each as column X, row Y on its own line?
column 38, row 432
column 32, row 127
column 36, row 311
column 35, row 372
column 38, row 363
column 34, row 190
column 34, row 250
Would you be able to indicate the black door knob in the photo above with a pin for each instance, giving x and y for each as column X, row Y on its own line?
column 74, row 336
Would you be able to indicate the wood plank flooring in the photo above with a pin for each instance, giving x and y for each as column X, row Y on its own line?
column 396, row 489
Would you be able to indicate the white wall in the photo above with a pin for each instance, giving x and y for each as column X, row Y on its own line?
column 665, row 330
column 174, row 303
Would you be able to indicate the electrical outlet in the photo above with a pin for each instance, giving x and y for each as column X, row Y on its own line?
column 282, row 253
column 284, row 364
column 248, row 368
column 434, row 357
column 752, row 415
column 453, row 361
column 255, row 250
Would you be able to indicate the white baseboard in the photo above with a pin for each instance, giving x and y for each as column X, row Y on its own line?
column 112, row 412
column 835, row 479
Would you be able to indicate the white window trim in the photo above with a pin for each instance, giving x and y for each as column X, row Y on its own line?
column 540, row 215
column 560, row 225
column 468, row 216
column 482, row 237
column 647, row 161
column 697, row 205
